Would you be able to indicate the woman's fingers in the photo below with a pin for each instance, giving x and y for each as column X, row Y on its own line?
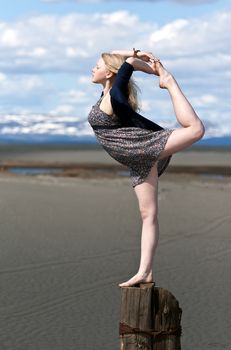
column 155, row 59
column 144, row 55
column 147, row 56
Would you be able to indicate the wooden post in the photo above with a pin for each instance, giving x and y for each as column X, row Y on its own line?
column 167, row 321
column 136, row 314
column 150, row 319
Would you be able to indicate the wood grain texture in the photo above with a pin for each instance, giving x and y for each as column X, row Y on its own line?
column 136, row 311
column 167, row 318
column 150, row 319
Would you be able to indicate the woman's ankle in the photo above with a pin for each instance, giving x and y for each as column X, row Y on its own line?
column 145, row 273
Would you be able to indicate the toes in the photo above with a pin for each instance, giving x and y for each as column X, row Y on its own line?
column 131, row 282
column 124, row 285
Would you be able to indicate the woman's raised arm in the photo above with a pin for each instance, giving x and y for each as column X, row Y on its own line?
column 125, row 53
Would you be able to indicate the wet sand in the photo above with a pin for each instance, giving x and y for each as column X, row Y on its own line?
column 67, row 242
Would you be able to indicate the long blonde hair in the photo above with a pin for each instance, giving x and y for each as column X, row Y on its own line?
column 113, row 63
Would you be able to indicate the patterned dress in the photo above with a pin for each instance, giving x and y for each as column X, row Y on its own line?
column 135, row 147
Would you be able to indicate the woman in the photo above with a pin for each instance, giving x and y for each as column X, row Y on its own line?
column 135, row 141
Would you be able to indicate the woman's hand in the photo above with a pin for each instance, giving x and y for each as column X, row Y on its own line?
column 146, row 56
column 140, row 65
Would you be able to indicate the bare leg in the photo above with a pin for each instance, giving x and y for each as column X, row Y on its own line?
column 192, row 128
column 147, row 194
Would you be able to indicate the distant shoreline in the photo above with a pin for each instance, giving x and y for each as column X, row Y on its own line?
column 100, row 169
column 91, row 160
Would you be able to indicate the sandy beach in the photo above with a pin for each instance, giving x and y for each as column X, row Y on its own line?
column 66, row 243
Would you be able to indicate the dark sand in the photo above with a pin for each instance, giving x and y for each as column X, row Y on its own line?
column 95, row 154
column 67, row 242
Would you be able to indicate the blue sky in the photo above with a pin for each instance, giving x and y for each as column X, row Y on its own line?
column 161, row 11
column 48, row 49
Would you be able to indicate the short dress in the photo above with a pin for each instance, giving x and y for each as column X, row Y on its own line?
column 135, row 147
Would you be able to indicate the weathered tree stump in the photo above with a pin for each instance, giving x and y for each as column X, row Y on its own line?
column 150, row 319
column 136, row 314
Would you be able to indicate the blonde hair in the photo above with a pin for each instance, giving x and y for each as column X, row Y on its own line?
column 113, row 63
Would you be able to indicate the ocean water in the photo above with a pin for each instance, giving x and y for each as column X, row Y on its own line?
column 32, row 171
column 47, row 139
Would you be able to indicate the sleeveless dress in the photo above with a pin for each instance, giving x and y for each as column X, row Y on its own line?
column 135, row 147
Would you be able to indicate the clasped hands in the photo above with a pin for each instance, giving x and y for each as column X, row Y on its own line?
column 145, row 56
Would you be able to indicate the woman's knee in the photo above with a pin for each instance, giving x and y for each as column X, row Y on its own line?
column 149, row 213
column 198, row 130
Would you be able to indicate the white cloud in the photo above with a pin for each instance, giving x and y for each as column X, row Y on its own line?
column 10, row 38
column 38, row 124
column 62, row 109
column 75, row 96
column 146, row 105
column 204, row 100
column 74, row 41
column 20, row 85
column 84, row 79
column 192, row 38
column 169, row 31
column 36, row 52
column 2, row 77
column 29, row 119
column 70, row 44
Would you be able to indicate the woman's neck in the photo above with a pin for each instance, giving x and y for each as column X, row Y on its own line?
column 106, row 87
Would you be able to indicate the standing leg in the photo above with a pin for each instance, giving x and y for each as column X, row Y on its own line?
column 192, row 128
column 147, row 194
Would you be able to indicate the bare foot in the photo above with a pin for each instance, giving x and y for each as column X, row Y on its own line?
column 165, row 77
column 138, row 278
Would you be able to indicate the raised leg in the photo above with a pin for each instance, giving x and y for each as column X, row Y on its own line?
column 192, row 127
column 147, row 194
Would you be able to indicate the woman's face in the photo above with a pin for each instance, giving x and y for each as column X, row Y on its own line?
column 99, row 72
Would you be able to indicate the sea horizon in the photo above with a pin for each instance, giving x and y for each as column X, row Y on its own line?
column 91, row 142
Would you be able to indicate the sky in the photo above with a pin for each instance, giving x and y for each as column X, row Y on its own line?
column 48, row 49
